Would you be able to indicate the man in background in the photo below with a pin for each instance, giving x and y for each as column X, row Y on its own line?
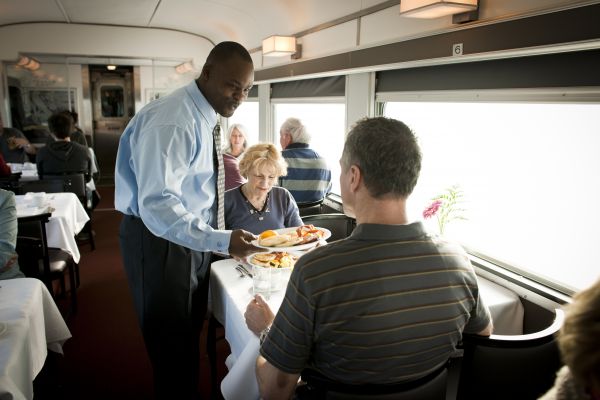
column 385, row 306
column 308, row 177
column 62, row 156
column 14, row 146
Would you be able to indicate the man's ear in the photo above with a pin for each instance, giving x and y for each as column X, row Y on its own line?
column 205, row 73
column 355, row 178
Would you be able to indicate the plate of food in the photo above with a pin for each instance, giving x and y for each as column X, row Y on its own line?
column 292, row 239
column 271, row 271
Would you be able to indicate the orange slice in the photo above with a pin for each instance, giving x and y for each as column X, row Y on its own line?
column 266, row 234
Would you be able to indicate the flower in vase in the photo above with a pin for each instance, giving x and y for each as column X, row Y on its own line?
column 446, row 207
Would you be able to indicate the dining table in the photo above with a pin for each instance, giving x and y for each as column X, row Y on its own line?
column 30, row 325
column 67, row 220
column 231, row 292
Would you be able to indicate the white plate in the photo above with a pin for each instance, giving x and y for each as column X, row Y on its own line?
column 306, row 246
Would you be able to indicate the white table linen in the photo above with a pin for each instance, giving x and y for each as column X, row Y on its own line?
column 67, row 220
column 230, row 294
column 30, row 324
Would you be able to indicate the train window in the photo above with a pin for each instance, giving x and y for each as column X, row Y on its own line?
column 528, row 173
column 112, row 101
column 325, row 123
column 247, row 115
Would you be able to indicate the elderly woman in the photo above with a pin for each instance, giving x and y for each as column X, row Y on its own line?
column 257, row 205
column 237, row 143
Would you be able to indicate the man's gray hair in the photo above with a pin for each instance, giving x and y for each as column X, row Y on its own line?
column 388, row 155
column 295, row 128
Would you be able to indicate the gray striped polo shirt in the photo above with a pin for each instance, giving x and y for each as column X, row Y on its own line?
column 387, row 304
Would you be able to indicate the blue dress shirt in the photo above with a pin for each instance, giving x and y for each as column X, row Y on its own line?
column 164, row 172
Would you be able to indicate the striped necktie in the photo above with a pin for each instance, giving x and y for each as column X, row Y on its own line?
column 218, row 161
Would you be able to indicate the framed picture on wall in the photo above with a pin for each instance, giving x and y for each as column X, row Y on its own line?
column 40, row 104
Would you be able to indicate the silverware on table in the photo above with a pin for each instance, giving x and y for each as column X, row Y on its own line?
column 243, row 271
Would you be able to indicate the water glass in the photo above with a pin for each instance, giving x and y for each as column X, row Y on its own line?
column 261, row 281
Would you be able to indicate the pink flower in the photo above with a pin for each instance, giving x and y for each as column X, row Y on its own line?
column 432, row 209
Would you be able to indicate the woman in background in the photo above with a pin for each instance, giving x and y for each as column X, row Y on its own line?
column 237, row 143
column 257, row 205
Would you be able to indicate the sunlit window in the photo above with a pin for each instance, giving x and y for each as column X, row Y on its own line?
column 325, row 123
column 247, row 115
column 529, row 175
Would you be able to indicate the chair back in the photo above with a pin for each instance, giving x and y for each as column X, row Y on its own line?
column 11, row 183
column 74, row 183
column 510, row 366
column 32, row 247
column 340, row 225
column 431, row 387
column 310, row 208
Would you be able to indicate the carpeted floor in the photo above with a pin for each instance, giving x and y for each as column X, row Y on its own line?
column 106, row 358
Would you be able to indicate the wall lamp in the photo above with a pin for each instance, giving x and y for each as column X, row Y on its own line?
column 28, row 63
column 437, row 8
column 277, row 46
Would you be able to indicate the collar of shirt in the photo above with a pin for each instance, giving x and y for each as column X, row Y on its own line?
column 206, row 111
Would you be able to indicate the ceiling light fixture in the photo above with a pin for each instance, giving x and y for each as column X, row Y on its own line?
column 28, row 63
column 435, row 8
column 277, row 46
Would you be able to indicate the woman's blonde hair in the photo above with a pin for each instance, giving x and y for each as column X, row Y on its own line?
column 578, row 338
column 262, row 155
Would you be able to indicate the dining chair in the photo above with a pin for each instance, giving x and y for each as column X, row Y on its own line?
column 38, row 260
column 340, row 225
column 434, row 386
column 309, row 208
column 510, row 366
column 11, row 183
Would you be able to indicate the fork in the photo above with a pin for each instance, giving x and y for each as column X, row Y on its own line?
column 243, row 270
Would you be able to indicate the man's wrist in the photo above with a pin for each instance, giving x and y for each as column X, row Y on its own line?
column 263, row 334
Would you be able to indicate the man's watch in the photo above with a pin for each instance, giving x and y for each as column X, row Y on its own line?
column 263, row 334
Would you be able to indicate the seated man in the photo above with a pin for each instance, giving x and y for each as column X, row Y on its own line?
column 63, row 156
column 308, row 176
column 14, row 146
column 386, row 305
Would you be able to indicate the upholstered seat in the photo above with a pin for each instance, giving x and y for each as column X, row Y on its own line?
column 510, row 366
column 48, row 264
column 340, row 225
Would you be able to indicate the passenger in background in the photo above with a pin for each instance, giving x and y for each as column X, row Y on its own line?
column 63, row 156
column 14, row 146
column 308, row 177
column 257, row 205
column 386, row 305
column 578, row 341
column 237, row 141
column 9, row 266
column 76, row 135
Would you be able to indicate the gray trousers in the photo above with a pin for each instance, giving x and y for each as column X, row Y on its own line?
column 169, row 288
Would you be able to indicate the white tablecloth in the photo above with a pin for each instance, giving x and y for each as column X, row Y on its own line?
column 230, row 294
column 67, row 220
column 30, row 323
